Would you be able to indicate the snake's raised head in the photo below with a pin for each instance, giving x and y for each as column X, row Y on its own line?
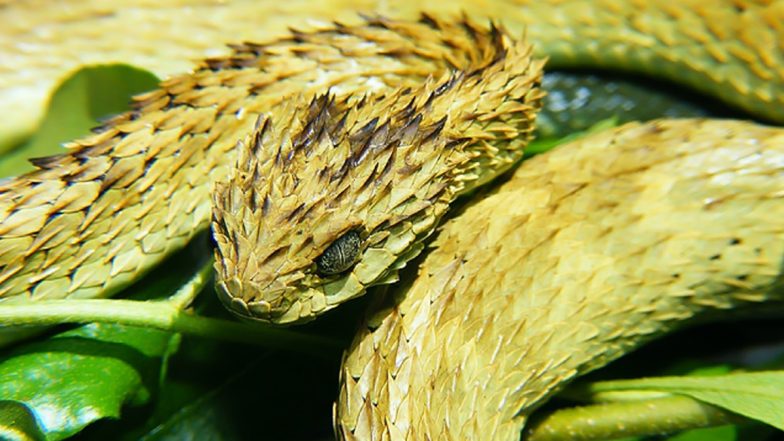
column 333, row 195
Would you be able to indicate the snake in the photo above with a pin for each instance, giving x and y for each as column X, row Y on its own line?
column 326, row 159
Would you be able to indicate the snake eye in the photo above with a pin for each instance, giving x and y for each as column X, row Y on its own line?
column 340, row 255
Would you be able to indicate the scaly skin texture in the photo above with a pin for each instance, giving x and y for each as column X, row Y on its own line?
column 42, row 41
column 383, row 167
column 588, row 252
column 88, row 222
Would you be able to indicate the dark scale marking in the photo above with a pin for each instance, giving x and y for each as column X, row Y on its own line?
column 341, row 195
column 149, row 163
column 297, row 36
column 337, row 131
column 362, row 101
column 100, row 129
column 471, row 30
column 278, row 163
column 305, row 214
column 455, row 143
column 500, row 55
column 47, row 162
column 265, row 206
column 323, row 173
column 342, row 171
column 258, row 135
column 366, row 130
column 341, row 29
column 375, row 21
column 377, row 141
column 430, row 99
column 448, row 84
column 428, row 20
column 253, row 200
column 235, row 239
column 410, row 129
column 388, row 166
column 106, row 183
column 371, row 176
column 360, row 140
column 256, row 173
column 246, row 62
column 435, row 130
column 340, row 255
column 315, row 127
column 296, row 212
column 397, row 52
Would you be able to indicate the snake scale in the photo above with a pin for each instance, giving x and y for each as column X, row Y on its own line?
column 586, row 253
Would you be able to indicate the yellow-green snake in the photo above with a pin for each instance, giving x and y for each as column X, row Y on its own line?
column 364, row 134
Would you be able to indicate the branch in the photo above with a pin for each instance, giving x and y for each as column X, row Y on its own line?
column 163, row 315
column 631, row 418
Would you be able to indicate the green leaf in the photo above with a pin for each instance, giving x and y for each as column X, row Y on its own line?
column 756, row 395
column 17, row 422
column 85, row 374
column 89, row 94
column 81, row 376
column 723, row 433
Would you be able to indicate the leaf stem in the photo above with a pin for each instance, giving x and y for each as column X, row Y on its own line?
column 188, row 291
column 163, row 315
column 623, row 419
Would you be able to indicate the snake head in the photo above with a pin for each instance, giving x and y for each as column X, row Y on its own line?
column 327, row 204
column 338, row 193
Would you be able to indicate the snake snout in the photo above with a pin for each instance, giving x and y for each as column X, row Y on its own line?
column 268, row 309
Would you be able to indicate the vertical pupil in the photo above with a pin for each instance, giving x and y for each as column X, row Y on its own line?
column 340, row 255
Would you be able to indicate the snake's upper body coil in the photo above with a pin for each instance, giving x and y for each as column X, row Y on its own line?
column 88, row 222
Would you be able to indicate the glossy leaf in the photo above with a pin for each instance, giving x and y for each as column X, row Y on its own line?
column 85, row 374
column 756, row 395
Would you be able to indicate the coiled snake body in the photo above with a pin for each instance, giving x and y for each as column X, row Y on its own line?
column 367, row 134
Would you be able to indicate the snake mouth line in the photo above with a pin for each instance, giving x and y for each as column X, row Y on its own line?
column 261, row 311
